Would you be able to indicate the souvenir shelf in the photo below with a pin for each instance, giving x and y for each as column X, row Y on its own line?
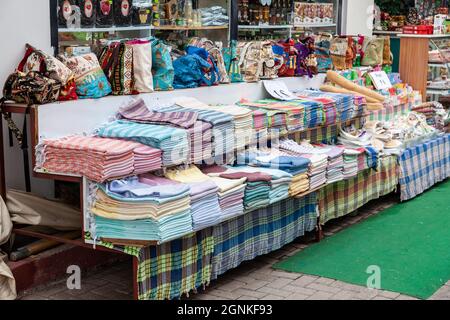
column 415, row 60
column 159, row 24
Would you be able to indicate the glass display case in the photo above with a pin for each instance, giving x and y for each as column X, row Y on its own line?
column 266, row 19
column 438, row 82
column 87, row 23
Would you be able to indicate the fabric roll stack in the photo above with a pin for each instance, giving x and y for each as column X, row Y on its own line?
column 205, row 206
column 172, row 141
column 200, row 133
column 98, row 159
column 147, row 208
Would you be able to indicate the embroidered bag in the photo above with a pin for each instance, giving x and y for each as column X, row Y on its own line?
column 231, row 60
column 322, row 52
column 89, row 77
column 373, row 48
column 162, row 66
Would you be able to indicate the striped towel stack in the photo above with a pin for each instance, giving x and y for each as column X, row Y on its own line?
column 172, row 142
column 200, row 133
column 204, row 198
column 98, row 159
column 145, row 208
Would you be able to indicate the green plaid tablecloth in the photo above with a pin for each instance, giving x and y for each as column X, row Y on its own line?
column 169, row 270
column 389, row 113
column 261, row 232
column 344, row 197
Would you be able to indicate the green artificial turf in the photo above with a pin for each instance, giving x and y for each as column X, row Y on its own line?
column 409, row 242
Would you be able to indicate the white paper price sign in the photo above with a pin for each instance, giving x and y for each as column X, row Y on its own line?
column 380, row 80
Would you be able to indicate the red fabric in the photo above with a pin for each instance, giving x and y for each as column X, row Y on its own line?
column 68, row 92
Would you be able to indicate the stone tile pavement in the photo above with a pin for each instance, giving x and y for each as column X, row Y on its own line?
column 254, row 280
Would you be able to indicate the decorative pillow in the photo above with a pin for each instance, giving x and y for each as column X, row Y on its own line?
column 142, row 66
column 89, row 77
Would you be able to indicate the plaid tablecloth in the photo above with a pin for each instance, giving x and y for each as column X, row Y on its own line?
column 262, row 231
column 172, row 269
column 344, row 197
column 389, row 112
column 423, row 166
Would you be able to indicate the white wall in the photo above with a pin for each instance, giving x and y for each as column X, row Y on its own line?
column 22, row 21
column 357, row 17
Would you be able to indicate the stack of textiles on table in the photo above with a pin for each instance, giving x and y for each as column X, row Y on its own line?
column 344, row 102
column 98, row 159
column 314, row 113
column 205, row 206
column 319, row 160
column 145, row 208
column 257, row 189
column 295, row 168
column 231, row 194
column 350, row 157
column 293, row 109
column 243, row 122
column 328, row 107
column 275, row 118
column 200, row 133
column 222, row 124
column 335, row 168
column 173, row 142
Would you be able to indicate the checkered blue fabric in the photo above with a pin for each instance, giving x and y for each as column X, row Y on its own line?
column 262, row 231
column 423, row 166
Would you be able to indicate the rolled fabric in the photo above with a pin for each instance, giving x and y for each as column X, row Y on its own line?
column 347, row 84
column 333, row 89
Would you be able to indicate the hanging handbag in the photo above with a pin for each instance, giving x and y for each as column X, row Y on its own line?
column 373, row 48
column 388, row 57
column 31, row 88
column 338, row 53
column 162, row 66
column 322, row 52
column 231, row 61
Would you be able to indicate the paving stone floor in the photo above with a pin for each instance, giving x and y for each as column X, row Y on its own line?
column 254, row 280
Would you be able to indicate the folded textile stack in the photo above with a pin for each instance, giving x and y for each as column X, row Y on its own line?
column 329, row 109
column 243, row 122
column 223, row 124
column 314, row 113
column 257, row 190
column 293, row 109
column 200, row 133
column 435, row 114
column 172, row 141
column 289, row 173
column 214, row 16
column 205, row 206
column 335, row 168
column 319, row 160
column 343, row 102
column 350, row 137
column 147, row 208
column 350, row 162
column 276, row 118
column 98, row 159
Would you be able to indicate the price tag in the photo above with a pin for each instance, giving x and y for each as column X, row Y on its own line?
column 380, row 80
